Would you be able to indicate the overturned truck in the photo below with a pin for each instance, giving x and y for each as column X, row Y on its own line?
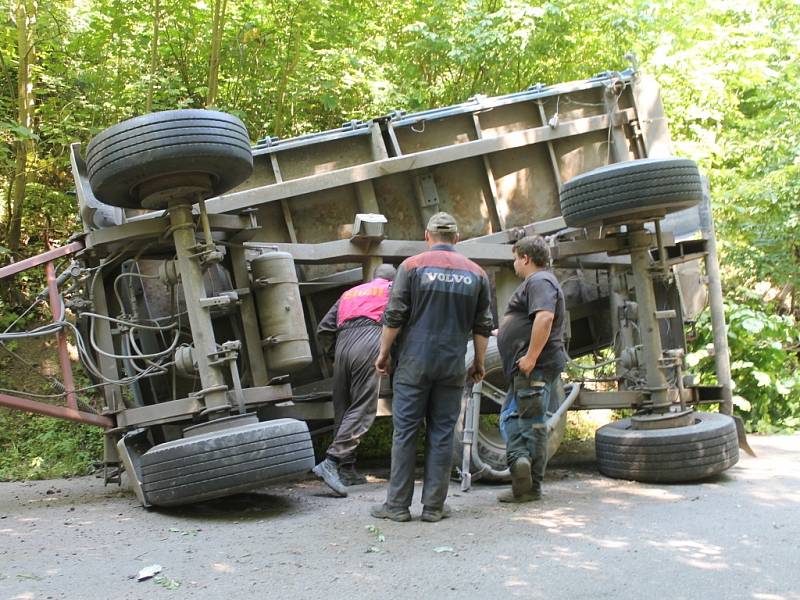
column 205, row 264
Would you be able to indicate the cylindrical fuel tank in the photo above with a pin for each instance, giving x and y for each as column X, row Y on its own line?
column 280, row 313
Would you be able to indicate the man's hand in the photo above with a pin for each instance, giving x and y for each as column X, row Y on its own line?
column 383, row 363
column 526, row 365
column 476, row 372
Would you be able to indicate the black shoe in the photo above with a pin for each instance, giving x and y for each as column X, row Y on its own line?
column 349, row 475
column 434, row 515
column 381, row 511
column 328, row 471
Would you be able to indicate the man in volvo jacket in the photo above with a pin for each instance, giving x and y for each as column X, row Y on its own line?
column 439, row 300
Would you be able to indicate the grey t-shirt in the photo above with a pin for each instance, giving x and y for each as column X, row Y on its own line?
column 540, row 291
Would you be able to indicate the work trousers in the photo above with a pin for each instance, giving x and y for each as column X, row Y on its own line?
column 355, row 388
column 523, row 419
column 428, row 387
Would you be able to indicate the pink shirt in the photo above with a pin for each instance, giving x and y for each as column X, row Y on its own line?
column 365, row 300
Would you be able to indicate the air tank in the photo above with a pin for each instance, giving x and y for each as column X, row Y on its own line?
column 280, row 313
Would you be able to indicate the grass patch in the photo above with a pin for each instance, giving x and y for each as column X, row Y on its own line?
column 38, row 447
column 34, row 446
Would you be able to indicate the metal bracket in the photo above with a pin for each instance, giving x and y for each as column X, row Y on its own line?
column 223, row 299
column 429, row 196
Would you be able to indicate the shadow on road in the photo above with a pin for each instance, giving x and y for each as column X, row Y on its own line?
column 241, row 507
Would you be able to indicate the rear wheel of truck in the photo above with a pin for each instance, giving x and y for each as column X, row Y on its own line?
column 180, row 146
column 491, row 445
column 705, row 448
column 629, row 191
column 221, row 463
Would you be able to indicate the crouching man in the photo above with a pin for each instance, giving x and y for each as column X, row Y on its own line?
column 355, row 324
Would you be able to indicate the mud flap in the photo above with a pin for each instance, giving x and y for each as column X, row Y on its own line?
column 130, row 448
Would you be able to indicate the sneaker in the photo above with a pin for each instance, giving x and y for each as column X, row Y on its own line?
column 521, row 480
column 434, row 515
column 534, row 494
column 382, row 511
column 349, row 475
column 328, row 471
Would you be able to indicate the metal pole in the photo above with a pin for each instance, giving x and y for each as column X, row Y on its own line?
column 212, row 377
column 50, row 410
column 715, row 303
column 61, row 338
column 564, row 407
column 40, row 259
column 649, row 333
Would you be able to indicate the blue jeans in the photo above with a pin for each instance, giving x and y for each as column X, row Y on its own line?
column 523, row 419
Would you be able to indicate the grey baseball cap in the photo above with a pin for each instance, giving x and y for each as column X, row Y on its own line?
column 442, row 222
column 386, row 271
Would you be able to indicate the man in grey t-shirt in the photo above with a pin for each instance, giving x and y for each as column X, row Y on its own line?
column 531, row 344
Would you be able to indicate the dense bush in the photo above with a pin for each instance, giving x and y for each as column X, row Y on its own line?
column 765, row 351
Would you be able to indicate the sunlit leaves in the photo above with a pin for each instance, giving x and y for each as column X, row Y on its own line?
column 764, row 362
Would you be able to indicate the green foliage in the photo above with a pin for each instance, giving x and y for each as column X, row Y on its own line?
column 731, row 86
column 37, row 447
column 765, row 363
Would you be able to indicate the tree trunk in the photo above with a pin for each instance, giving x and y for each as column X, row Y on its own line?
column 153, row 55
column 216, row 45
column 25, row 14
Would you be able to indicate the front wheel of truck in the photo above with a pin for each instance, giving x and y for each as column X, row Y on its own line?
column 168, row 153
column 221, row 463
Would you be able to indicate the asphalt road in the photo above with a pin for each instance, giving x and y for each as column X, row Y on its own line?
column 732, row 537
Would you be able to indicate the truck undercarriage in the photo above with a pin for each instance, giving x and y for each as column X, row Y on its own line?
column 205, row 265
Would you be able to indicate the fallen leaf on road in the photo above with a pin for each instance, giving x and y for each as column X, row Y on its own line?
column 167, row 583
column 376, row 532
column 183, row 531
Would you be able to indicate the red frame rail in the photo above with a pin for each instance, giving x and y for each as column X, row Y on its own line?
column 71, row 411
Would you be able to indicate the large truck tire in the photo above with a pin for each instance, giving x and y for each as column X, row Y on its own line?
column 694, row 452
column 635, row 189
column 226, row 462
column 491, row 446
column 178, row 143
